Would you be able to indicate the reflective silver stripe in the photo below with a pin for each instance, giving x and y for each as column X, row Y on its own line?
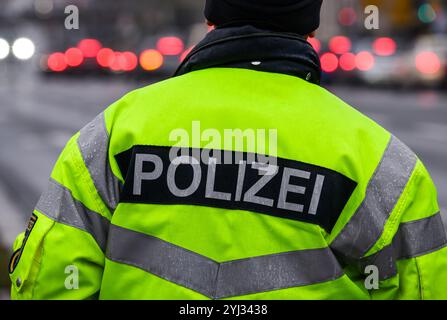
column 382, row 194
column 420, row 237
column 163, row 259
column 94, row 145
column 277, row 271
column 221, row 280
column 413, row 239
column 58, row 204
column 384, row 260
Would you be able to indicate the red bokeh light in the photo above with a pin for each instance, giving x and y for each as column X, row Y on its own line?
column 185, row 54
column 118, row 62
column 347, row 16
column 364, row 61
column 57, row 62
column 90, row 47
column 170, row 46
column 347, row 61
column 74, row 57
column 428, row 62
column 316, row 44
column 340, row 44
column 384, row 47
column 329, row 62
column 131, row 61
column 105, row 57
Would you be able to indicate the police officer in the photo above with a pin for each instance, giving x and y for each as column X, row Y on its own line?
column 154, row 199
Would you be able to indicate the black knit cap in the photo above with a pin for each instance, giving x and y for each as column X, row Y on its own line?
column 296, row 16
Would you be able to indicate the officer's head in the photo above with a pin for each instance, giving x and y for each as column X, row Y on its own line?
column 296, row 16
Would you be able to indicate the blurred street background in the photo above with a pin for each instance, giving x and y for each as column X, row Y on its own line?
column 53, row 81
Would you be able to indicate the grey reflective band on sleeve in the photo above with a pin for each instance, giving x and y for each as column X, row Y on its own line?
column 93, row 143
column 221, row 280
column 413, row 239
column 420, row 237
column 382, row 194
column 58, row 204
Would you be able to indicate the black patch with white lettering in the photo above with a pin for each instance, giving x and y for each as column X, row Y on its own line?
column 15, row 258
column 293, row 190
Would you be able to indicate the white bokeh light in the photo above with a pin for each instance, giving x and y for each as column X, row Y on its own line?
column 23, row 48
column 4, row 49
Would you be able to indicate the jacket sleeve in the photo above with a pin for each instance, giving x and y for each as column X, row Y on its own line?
column 413, row 248
column 394, row 244
column 61, row 254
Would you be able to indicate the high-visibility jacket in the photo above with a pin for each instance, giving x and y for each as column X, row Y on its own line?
column 331, row 207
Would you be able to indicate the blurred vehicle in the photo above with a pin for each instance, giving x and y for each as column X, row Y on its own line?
column 429, row 60
column 388, row 63
column 423, row 64
column 154, row 56
column 384, row 60
column 150, row 39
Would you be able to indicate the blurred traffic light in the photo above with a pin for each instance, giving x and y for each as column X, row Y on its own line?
column 57, row 62
column 170, row 46
column 123, row 61
column 329, row 62
column 74, row 57
column 316, row 44
column 90, row 47
column 185, row 54
column 151, row 60
column 428, row 63
column 340, row 44
column 384, row 46
column 364, row 61
column 348, row 61
column 105, row 57
column 426, row 13
column 347, row 16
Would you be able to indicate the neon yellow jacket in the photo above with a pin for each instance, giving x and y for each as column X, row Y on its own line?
column 118, row 221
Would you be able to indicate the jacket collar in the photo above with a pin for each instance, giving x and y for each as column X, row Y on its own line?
column 252, row 48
